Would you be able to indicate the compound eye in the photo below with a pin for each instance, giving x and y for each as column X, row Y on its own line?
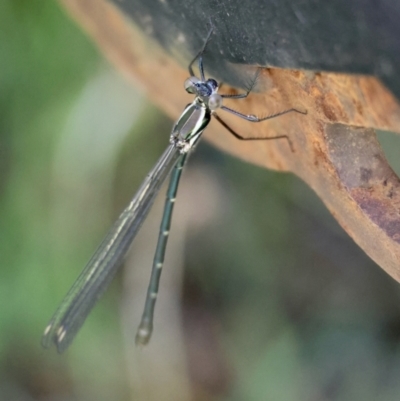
column 190, row 85
column 212, row 83
column 215, row 101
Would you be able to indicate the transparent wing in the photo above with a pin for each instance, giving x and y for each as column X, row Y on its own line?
column 102, row 267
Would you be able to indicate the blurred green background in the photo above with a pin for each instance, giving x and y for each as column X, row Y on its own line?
column 264, row 296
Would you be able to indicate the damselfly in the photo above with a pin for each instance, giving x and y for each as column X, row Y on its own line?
column 102, row 267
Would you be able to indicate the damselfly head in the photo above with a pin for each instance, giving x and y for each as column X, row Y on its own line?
column 204, row 89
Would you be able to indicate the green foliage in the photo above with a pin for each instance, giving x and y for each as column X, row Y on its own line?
column 45, row 61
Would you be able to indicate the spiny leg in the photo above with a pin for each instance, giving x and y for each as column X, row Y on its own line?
column 249, row 89
column 146, row 324
column 236, row 135
column 199, row 55
column 254, row 119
